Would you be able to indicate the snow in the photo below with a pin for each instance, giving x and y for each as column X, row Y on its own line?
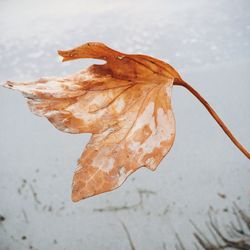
column 208, row 42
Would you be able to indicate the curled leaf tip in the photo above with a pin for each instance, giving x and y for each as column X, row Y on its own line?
column 60, row 54
column 8, row 85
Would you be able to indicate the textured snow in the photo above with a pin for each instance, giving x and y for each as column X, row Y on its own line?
column 207, row 41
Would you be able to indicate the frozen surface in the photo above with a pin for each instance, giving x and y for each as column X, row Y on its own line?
column 207, row 41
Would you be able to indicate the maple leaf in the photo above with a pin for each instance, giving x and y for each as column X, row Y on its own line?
column 125, row 104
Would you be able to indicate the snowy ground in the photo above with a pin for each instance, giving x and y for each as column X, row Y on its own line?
column 207, row 41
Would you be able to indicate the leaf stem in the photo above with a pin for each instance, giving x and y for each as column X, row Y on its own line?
column 182, row 83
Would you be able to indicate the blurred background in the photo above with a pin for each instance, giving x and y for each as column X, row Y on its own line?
column 208, row 42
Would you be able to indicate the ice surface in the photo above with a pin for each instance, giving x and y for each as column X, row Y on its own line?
column 207, row 41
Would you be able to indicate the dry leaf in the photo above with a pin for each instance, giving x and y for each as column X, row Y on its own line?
column 125, row 104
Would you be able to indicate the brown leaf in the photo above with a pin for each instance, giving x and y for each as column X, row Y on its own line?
column 125, row 104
